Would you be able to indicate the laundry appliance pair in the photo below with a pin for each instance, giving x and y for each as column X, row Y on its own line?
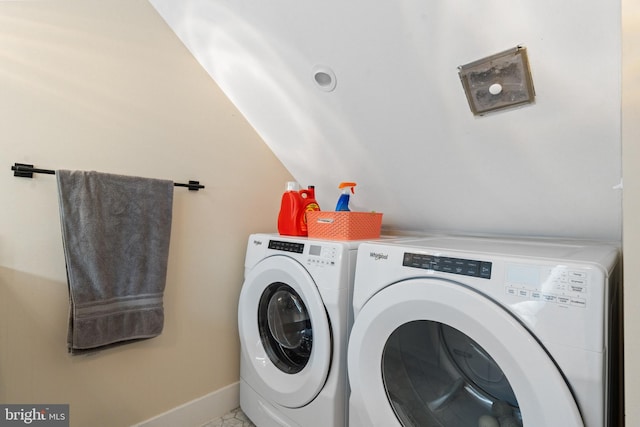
column 447, row 331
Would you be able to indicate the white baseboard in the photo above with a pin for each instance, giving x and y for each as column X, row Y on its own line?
column 198, row 411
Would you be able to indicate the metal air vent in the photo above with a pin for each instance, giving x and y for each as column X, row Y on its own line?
column 498, row 82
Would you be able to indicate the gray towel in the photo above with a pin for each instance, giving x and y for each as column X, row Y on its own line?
column 115, row 232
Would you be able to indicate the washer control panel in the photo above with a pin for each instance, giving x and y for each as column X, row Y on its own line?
column 280, row 245
column 553, row 284
column 320, row 255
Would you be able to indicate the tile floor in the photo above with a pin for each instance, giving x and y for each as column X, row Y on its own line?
column 235, row 418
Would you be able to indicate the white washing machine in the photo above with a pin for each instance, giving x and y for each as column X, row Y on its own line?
column 453, row 331
column 294, row 316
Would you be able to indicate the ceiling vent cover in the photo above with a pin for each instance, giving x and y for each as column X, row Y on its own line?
column 498, row 82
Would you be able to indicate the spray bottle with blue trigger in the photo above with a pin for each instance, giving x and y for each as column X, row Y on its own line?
column 347, row 190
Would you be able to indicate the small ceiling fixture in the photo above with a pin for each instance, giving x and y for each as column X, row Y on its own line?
column 498, row 82
column 324, row 77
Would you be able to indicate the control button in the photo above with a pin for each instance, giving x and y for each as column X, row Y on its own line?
column 485, row 270
column 523, row 293
column 580, row 289
column 579, row 302
column 447, row 268
column 459, row 266
column 558, row 276
column 511, row 291
column 472, row 268
column 536, row 294
column 563, row 299
column 578, row 274
column 549, row 297
column 560, row 287
column 446, row 262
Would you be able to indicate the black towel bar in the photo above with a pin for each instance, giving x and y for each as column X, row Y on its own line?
column 26, row 171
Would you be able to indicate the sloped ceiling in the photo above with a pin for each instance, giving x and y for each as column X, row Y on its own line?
column 398, row 122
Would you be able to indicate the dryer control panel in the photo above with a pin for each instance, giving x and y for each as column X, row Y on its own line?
column 464, row 267
column 553, row 284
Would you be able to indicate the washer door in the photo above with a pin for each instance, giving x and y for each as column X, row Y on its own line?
column 284, row 332
column 432, row 352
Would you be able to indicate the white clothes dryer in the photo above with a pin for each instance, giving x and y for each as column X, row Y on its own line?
column 455, row 331
column 294, row 316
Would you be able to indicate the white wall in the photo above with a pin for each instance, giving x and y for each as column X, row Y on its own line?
column 631, row 237
column 94, row 85
column 398, row 122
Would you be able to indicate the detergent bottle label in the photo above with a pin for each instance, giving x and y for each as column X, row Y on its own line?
column 310, row 204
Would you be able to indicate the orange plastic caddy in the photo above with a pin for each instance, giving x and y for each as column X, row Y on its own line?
column 331, row 225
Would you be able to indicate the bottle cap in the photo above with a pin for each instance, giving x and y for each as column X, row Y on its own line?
column 293, row 186
column 346, row 184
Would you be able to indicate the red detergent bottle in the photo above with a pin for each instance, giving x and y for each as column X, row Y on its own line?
column 291, row 216
column 309, row 203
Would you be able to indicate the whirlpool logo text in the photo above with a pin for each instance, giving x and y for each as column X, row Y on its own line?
column 378, row 256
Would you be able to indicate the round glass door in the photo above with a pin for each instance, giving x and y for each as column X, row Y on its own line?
column 285, row 328
column 285, row 337
column 418, row 356
column 435, row 375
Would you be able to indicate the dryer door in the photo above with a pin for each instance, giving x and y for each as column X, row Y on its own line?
column 432, row 352
column 284, row 332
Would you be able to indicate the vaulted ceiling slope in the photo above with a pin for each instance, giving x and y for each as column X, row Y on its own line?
column 397, row 121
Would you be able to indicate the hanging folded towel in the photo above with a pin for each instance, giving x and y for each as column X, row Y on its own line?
column 115, row 232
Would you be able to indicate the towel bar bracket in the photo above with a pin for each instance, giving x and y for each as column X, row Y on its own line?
column 24, row 170
column 17, row 172
column 192, row 185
